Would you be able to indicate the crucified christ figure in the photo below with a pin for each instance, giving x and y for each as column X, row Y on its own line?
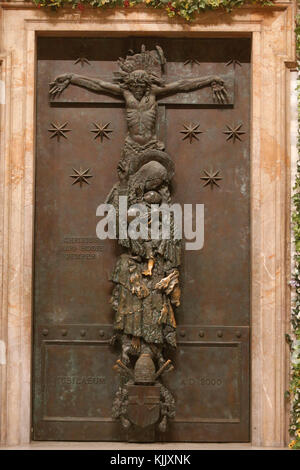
column 146, row 276
column 141, row 86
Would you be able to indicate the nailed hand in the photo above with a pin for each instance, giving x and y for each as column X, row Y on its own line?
column 59, row 84
column 219, row 90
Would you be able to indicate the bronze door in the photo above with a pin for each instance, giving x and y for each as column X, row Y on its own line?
column 79, row 141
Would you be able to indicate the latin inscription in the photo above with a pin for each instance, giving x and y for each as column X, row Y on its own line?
column 82, row 240
column 81, row 379
column 84, row 248
column 79, row 256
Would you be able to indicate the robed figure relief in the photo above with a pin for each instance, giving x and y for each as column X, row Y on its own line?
column 146, row 276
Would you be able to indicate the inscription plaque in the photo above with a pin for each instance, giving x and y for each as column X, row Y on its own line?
column 83, row 248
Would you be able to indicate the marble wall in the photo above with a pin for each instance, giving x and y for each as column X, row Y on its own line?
column 273, row 55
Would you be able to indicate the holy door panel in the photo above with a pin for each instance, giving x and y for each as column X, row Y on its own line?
column 80, row 136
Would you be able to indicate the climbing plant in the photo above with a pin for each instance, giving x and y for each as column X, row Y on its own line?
column 186, row 9
column 294, row 338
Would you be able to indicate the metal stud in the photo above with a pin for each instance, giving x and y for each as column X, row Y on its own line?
column 238, row 334
column 220, row 333
column 82, row 333
column 45, row 332
column 101, row 333
column 201, row 333
column 64, row 332
column 182, row 333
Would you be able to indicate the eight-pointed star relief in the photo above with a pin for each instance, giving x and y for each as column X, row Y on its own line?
column 192, row 61
column 234, row 132
column 234, row 62
column 191, row 131
column 80, row 176
column 59, row 130
column 102, row 130
column 211, row 178
column 82, row 61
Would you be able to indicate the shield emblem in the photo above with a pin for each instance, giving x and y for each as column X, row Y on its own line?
column 143, row 404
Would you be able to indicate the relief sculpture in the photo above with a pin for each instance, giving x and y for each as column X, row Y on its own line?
column 146, row 282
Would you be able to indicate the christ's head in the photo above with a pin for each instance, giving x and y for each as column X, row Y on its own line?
column 139, row 83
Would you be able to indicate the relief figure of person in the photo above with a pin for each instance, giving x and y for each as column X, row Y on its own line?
column 140, row 84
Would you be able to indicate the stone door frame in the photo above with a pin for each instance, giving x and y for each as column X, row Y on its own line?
column 273, row 55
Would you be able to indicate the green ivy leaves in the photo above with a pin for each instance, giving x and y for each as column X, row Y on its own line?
column 294, row 390
column 187, row 9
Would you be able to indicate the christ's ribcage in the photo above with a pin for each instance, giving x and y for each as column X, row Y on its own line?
column 141, row 120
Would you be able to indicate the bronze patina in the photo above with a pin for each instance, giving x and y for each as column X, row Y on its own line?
column 146, row 275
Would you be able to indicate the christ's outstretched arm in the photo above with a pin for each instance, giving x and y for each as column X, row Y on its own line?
column 191, row 84
column 95, row 84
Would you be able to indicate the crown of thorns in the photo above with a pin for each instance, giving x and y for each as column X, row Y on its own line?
column 151, row 62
